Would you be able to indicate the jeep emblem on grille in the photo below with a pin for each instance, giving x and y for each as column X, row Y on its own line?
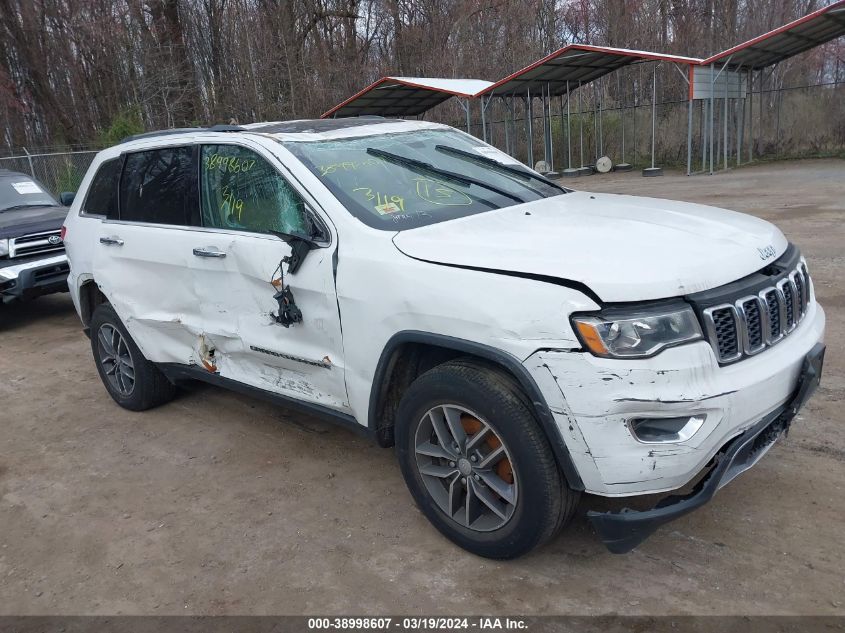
column 767, row 252
column 54, row 240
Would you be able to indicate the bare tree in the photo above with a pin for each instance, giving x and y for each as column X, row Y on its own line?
column 69, row 67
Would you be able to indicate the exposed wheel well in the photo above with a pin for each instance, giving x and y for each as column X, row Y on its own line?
column 90, row 296
column 409, row 354
column 406, row 362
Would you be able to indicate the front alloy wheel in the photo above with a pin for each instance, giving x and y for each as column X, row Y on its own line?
column 477, row 462
column 466, row 468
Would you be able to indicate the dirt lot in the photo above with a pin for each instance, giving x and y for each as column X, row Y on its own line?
column 220, row 504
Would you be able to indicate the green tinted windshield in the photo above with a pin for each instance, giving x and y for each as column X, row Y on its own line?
column 385, row 192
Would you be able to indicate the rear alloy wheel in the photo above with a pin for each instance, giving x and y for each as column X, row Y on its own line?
column 116, row 360
column 477, row 463
column 131, row 380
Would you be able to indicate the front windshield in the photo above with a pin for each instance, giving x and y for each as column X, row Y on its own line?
column 410, row 179
column 19, row 191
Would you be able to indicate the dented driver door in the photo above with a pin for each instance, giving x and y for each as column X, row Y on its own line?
column 239, row 268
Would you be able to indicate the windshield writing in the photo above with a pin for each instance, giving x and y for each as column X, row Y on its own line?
column 405, row 180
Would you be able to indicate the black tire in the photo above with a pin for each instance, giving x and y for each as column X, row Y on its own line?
column 151, row 388
column 544, row 502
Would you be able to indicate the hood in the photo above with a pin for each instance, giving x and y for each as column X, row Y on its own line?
column 624, row 248
column 19, row 222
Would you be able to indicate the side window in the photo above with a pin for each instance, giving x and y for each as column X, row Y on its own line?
column 242, row 191
column 156, row 186
column 101, row 198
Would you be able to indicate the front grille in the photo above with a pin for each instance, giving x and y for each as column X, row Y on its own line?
column 799, row 290
column 749, row 324
column 789, row 298
column 773, row 305
column 36, row 244
column 753, row 322
column 724, row 327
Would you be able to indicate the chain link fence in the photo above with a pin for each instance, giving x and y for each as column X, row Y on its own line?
column 786, row 123
column 791, row 122
column 57, row 171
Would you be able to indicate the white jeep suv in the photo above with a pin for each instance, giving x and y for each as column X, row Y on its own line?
column 519, row 343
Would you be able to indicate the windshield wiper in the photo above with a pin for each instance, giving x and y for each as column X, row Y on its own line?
column 485, row 160
column 26, row 206
column 443, row 173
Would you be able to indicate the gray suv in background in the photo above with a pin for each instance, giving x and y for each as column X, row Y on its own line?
column 32, row 251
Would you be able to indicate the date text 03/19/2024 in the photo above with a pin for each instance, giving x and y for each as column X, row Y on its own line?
column 418, row 623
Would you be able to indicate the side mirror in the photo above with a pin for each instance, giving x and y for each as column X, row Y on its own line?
column 67, row 197
column 299, row 247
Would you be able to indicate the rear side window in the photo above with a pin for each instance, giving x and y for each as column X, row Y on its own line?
column 102, row 194
column 157, row 186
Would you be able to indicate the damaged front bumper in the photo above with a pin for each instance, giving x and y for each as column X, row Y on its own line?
column 34, row 277
column 623, row 531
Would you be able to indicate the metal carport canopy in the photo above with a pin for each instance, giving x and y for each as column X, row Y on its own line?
column 574, row 63
column 814, row 29
column 405, row 96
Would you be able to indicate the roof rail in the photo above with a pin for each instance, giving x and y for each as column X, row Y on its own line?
column 222, row 127
column 183, row 130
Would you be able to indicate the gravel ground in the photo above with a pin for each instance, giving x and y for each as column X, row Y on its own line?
column 219, row 504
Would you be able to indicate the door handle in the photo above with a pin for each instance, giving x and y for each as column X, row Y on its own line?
column 208, row 252
column 111, row 241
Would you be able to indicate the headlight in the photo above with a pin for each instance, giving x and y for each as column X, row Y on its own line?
column 637, row 333
column 4, row 248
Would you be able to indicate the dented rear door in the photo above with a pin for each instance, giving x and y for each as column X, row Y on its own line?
column 140, row 257
column 144, row 271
